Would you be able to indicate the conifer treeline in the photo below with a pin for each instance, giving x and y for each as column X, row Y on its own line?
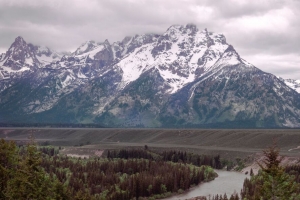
column 282, row 184
column 124, row 179
column 273, row 181
column 294, row 170
column 22, row 177
column 173, row 156
column 224, row 197
column 31, row 173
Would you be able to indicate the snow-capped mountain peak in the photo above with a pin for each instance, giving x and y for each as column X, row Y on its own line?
column 85, row 47
column 182, row 77
column 19, row 57
column 130, row 43
column 181, row 54
column 19, row 41
column 46, row 55
column 92, row 50
column 294, row 84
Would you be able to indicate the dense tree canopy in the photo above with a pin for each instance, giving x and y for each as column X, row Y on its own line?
column 32, row 172
column 272, row 181
column 23, row 177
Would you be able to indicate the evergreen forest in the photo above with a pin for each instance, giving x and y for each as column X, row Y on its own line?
column 40, row 172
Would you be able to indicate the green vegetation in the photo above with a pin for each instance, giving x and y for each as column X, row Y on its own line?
column 40, row 173
column 240, row 164
column 173, row 156
column 273, row 181
column 125, row 179
column 22, row 177
column 32, row 172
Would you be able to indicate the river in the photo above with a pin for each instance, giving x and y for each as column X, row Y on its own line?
column 227, row 182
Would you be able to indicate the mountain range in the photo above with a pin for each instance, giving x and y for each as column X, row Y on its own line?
column 185, row 77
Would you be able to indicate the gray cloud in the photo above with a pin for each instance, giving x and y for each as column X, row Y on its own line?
column 266, row 33
column 240, row 8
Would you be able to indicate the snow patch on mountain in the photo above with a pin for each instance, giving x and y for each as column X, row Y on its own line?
column 125, row 50
column 86, row 47
column 29, row 61
column 67, row 80
column 294, row 84
column 164, row 63
column 46, row 55
column 135, row 64
column 46, row 59
column 18, row 58
column 176, row 56
column 9, row 70
column 291, row 83
column 91, row 54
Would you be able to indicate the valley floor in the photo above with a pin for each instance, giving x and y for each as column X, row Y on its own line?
column 245, row 145
column 229, row 143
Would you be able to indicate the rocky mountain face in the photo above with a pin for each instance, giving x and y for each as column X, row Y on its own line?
column 294, row 84
column 183, row 78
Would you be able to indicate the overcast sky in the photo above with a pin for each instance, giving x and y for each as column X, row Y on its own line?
column 264, row 32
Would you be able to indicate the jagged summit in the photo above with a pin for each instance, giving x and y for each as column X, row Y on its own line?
column 184, row 77
column 23, row 56
column 19, row 40
column 192, row 27
column 181, row 54
column 20, row 56
column 85, row 47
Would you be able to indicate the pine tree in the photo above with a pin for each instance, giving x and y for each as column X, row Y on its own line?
column 29, row 180
column 8, row 162
column 276, row 183
column 251, row 172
